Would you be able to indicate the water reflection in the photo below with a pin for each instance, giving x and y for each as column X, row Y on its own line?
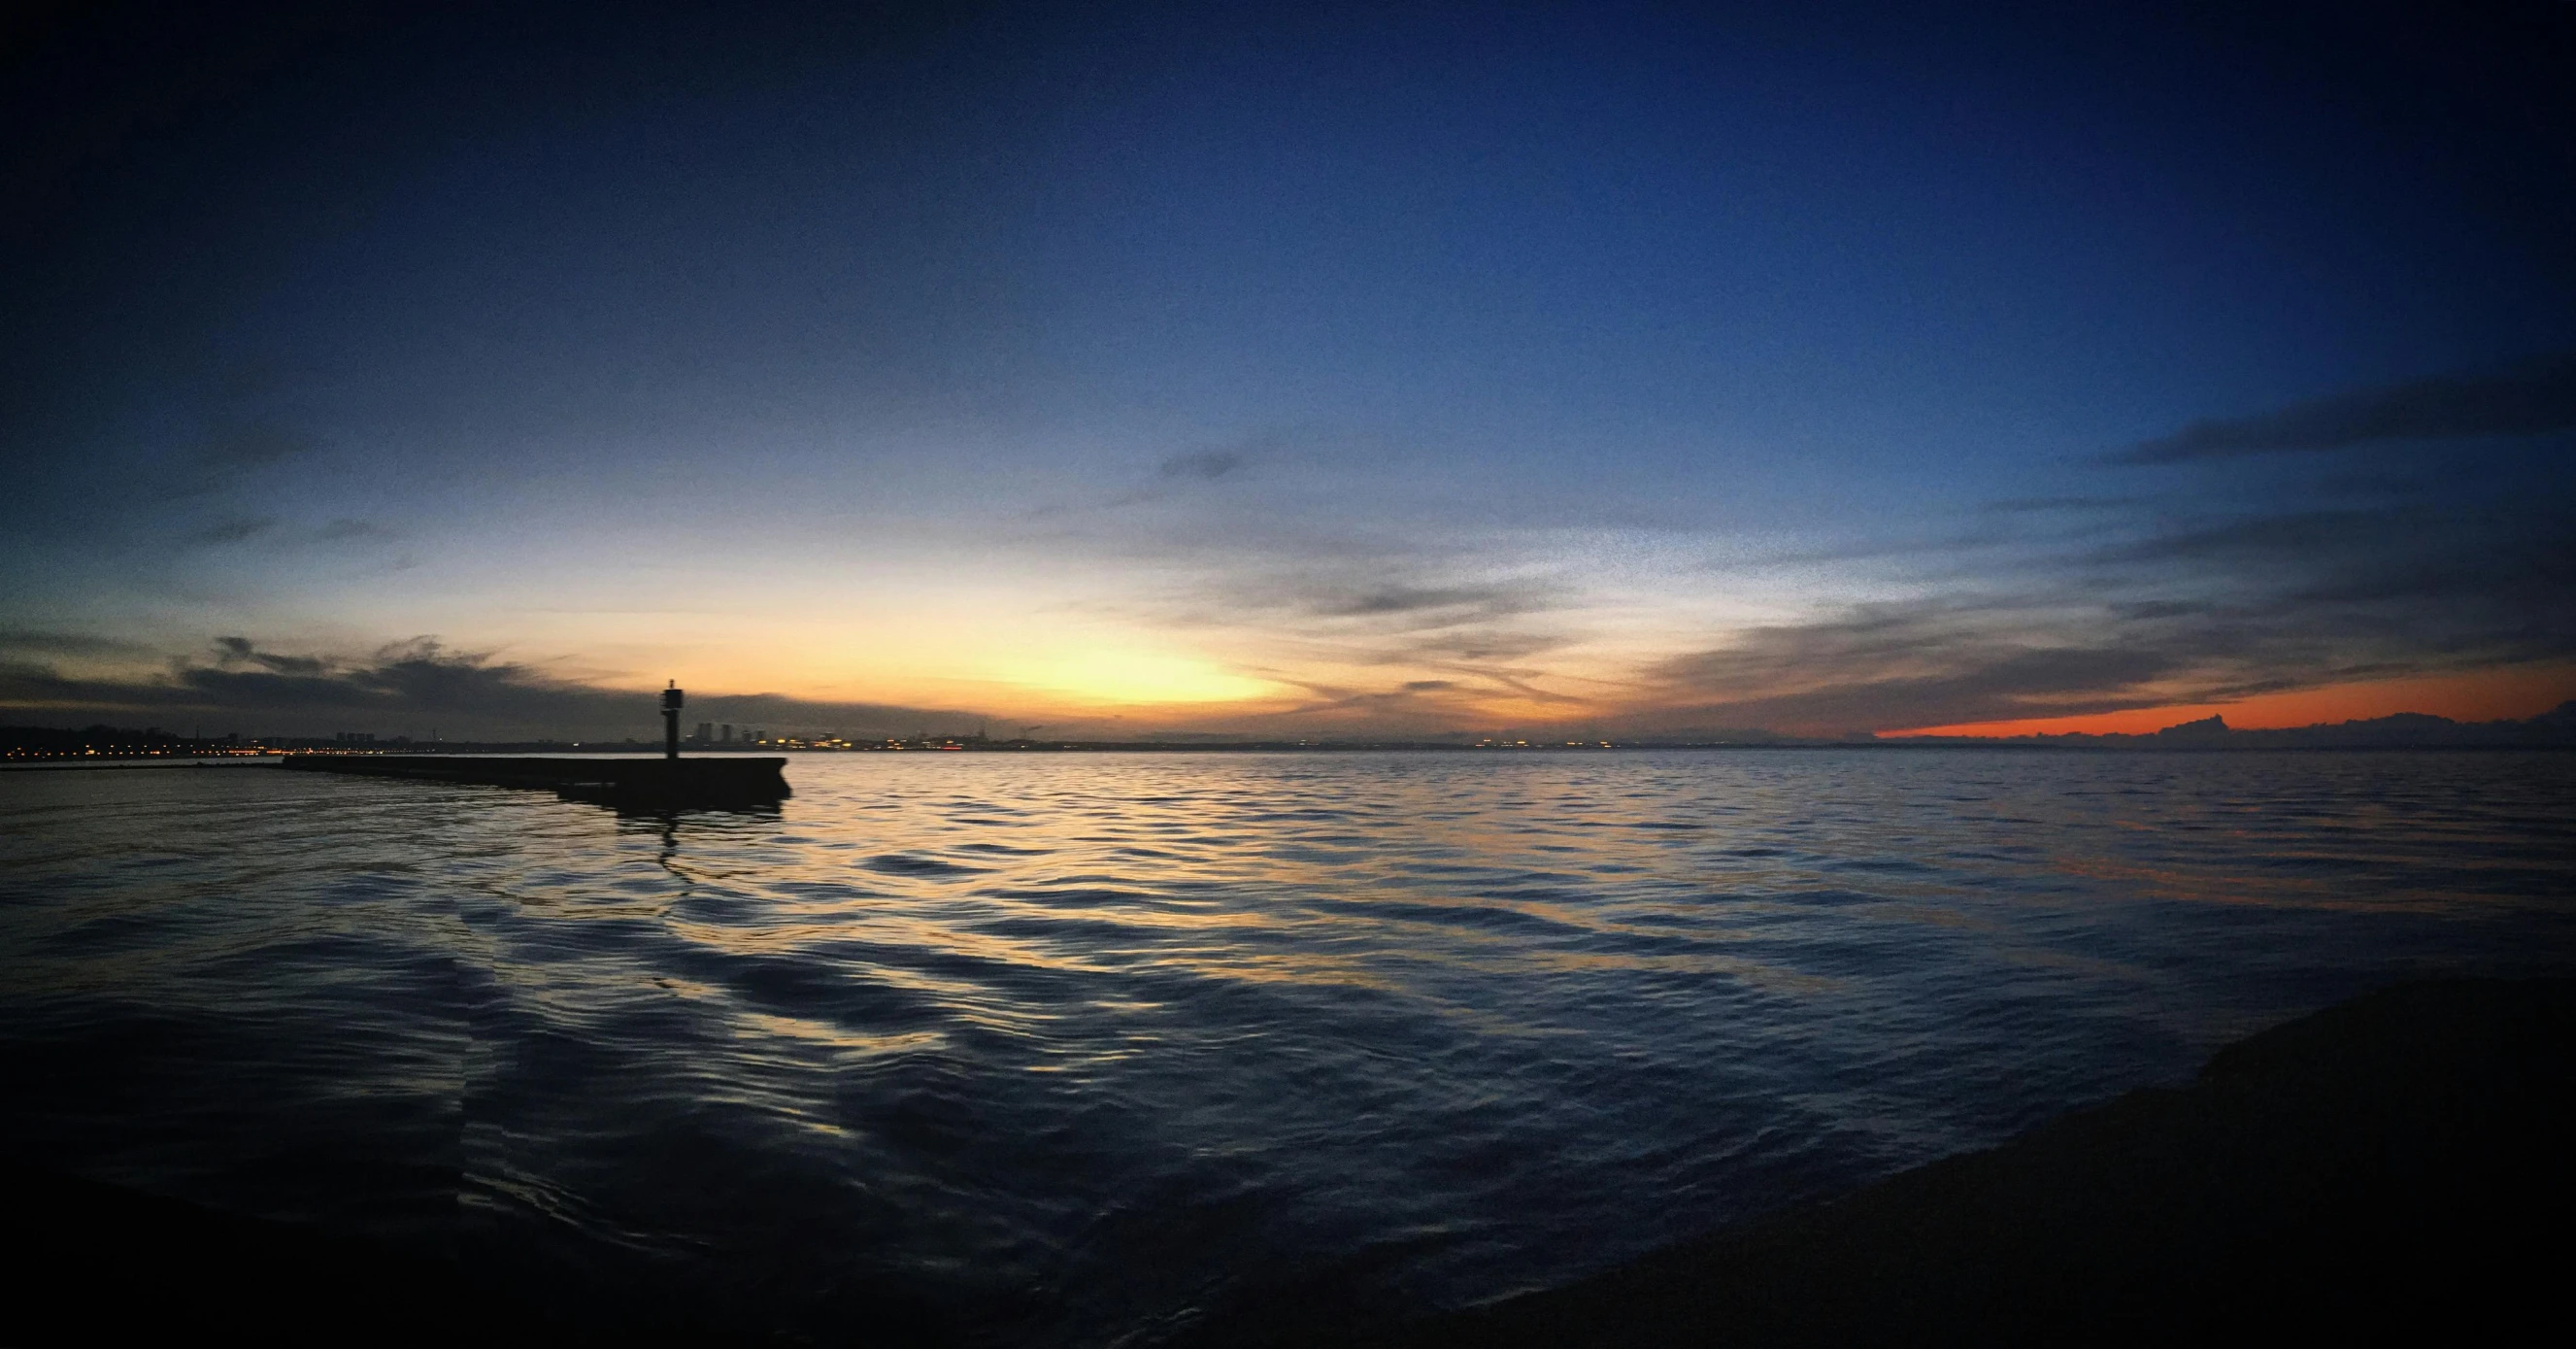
column 716, row 826
column 1049, row 1048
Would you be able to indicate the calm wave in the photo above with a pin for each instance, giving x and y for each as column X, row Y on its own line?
column 1071, row 1049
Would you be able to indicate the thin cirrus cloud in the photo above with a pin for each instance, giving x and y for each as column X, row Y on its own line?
column 1205, row 465
column 243, row 529
column 22, row 643
column 2198, row 614
column 231, row 453
column 224, row 532
column 1877, row 668
column 1396, row 611
column 356, row 531
column 2532, row 398
column 2216, row 593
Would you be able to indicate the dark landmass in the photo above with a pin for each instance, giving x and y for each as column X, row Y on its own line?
column 2398, row 1165
column 2405, row 730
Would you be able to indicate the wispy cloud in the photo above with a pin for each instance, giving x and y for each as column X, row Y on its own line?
column 22, row 642
column 2183, row 610
column 1415, row 607
column 413, row 686
column 355, row 531
column 1204, row 466
column 233, row 651
column 254, row 444
column 233, row 451
column 2202, row 594
column 1880, row 667
column 2532, row 398
column 224, row 532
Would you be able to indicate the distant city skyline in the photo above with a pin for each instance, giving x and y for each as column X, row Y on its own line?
column 1374, row 372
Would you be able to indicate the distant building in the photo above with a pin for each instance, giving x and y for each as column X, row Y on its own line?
column 727, row 736
column 706, row 732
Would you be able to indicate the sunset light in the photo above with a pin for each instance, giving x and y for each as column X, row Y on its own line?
column 1287, row 676
column 2486, row 696
column 1132, row 679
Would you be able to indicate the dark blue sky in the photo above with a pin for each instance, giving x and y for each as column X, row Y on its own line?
column 1234, row 369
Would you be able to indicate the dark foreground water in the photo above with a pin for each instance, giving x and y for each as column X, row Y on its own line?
column 1072, row 1049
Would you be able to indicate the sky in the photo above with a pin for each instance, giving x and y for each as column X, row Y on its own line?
column 1287, row 371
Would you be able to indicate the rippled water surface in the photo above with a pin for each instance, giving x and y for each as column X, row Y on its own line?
column 1071, row 1049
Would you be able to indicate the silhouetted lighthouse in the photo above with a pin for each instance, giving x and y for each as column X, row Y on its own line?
column 671, row 698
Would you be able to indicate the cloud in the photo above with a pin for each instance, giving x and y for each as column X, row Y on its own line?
column 2137, row 609
column 2086, row 605
column 1443, row 605
column 1172, row 479
column 2436, row 570
column 1477, row 645
column 2055, row 504
column 1882, row 669
column 1391, row 605
column 412, row 687
column 355, row 531
column 242, row 529
column 1459, row 640
column 224, row 532
column 231, row 651
column 234, row 450
column 2529, row 399
column 76, row 644
column 1415, row 707
column 1204, row 466
column 2188, row 609
column 253, row 445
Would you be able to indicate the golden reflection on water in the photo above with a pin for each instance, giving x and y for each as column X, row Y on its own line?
column 1274, row 870
column 1024, row 1003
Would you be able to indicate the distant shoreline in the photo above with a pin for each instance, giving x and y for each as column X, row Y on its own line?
column 2554, row 729
column 71, row 763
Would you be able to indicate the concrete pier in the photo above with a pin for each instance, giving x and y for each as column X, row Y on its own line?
column 627, row 780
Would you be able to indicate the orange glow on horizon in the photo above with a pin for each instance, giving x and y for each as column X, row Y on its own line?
column 2489, row 695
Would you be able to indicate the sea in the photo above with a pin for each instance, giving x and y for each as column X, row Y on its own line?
column 1087, row 1049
